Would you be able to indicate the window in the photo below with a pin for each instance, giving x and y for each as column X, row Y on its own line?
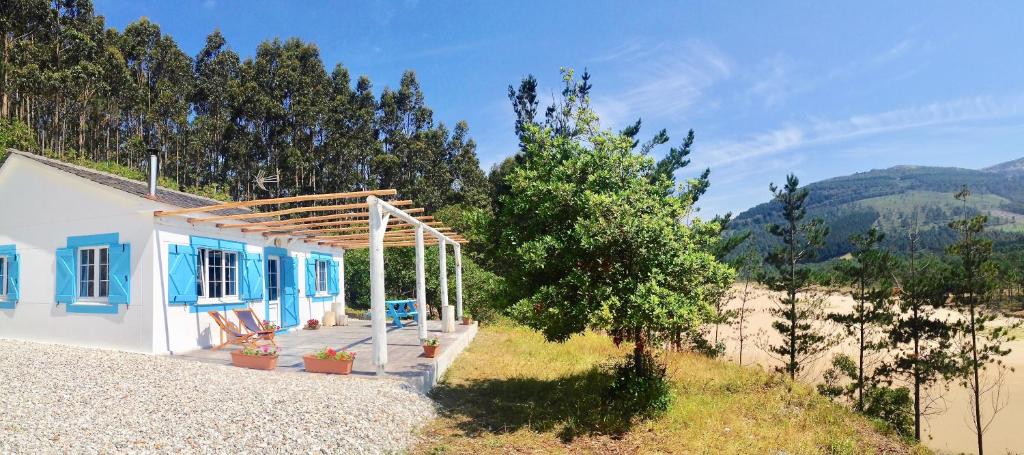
column 273, row 282
column 3, row 277
column 93, row 273
column 217, row 274
column 321, row 277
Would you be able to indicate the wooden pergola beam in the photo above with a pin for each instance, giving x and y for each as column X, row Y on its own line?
column 366, row 236
column 364, row 216
column 280, row 200
column 292, row 228
column 398, row 225
column 313, row 208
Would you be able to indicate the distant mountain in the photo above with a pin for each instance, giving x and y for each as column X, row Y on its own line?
column 893, row 198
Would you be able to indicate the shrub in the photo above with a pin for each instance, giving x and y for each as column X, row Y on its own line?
column 640, row 388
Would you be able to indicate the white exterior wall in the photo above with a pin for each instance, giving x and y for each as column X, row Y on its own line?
column 177, row 328
column 41, row 208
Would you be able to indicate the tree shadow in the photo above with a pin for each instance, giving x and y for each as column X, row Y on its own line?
column 572, row 405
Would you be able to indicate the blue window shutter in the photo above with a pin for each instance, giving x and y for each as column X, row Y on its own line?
column 310, row 277
column 120, row 274
column 252, row 277
column 332, row 277
column 65, row 275
column 13, row 283
column 181, row 275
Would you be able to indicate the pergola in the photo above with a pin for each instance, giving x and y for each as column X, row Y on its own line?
column 334, row 221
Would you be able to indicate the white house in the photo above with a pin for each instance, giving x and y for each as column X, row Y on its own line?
column 84, row 261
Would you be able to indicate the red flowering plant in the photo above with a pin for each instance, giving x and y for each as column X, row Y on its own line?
column 312, row 324
column 332, row 354
column 259, row 351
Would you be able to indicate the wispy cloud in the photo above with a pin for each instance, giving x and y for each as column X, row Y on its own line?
column 664, row 81
column 821, row 132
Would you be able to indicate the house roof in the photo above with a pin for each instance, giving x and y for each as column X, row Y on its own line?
column 141, row 189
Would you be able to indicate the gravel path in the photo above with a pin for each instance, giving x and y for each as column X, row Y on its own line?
column 76, row 400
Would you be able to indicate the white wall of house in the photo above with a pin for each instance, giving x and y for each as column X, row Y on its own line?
column 40, row 207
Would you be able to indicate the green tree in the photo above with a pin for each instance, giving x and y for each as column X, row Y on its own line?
column 786, row 273
column 985, row 345
column 869, row 272
column 591, row 241
column 920, row 337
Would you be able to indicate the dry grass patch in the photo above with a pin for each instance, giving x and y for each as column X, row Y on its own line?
column 512, row 392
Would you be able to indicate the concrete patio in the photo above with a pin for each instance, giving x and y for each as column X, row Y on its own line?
column 405, row 355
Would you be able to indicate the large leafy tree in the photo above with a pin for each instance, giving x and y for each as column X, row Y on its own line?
column 593, row 234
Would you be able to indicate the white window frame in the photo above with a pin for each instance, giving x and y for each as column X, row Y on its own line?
column 322, row 275
column 4, row 277
column 97, row 277
column 203, row 282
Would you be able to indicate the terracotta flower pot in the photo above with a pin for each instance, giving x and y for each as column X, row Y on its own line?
column 315, row 365
column 466, row 320
column 256, row 362
column 430, row 351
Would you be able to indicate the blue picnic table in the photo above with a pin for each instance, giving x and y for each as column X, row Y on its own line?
column 398, row 309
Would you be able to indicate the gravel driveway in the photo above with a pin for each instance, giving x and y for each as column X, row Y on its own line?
column 77, row 400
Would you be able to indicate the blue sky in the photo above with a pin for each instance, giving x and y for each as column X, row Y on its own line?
column 817, row 88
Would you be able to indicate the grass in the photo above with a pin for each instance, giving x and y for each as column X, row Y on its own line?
column 512, row 392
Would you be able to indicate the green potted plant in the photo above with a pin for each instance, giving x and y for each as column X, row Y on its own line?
column 330, row 361
column 430, row 346
column 255, row 357
column 467, row 319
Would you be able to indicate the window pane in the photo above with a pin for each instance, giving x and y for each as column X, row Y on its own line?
column 229, row 274
column 200, row 272
column 85, row 274
column 215, row 273
column 104, row 273
column 272, row 288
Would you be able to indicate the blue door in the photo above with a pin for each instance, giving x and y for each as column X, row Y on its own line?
column 289, row 292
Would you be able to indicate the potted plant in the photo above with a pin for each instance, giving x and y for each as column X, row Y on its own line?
column 467, row 319
column 270, row 326
column 430, row 346
column 255, row 357
column 330, row 361
column 312, row 324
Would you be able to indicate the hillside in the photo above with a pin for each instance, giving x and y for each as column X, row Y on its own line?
column 894, row 198
column 512, row 392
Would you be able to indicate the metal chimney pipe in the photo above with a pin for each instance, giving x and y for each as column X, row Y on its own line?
column 153, row 168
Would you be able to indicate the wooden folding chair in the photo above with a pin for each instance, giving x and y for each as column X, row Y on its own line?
column 234, row 336
column 255, row 327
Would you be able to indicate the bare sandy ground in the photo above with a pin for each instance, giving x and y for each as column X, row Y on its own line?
column 947, row 431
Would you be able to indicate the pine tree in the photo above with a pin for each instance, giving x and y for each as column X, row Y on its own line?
column 786, row 273
column 869, row 272
column 985, row 345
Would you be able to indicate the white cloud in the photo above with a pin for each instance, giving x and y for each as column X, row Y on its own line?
column 820, row 132
column 665, row 81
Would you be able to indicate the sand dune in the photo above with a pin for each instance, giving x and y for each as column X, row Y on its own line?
column 945, row 432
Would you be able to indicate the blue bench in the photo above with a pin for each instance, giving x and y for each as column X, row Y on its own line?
column 398, row 309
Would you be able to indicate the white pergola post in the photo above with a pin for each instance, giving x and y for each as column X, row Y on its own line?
column 421, row 286
column 378, row 226
column 458, row 280
column 442, row 288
